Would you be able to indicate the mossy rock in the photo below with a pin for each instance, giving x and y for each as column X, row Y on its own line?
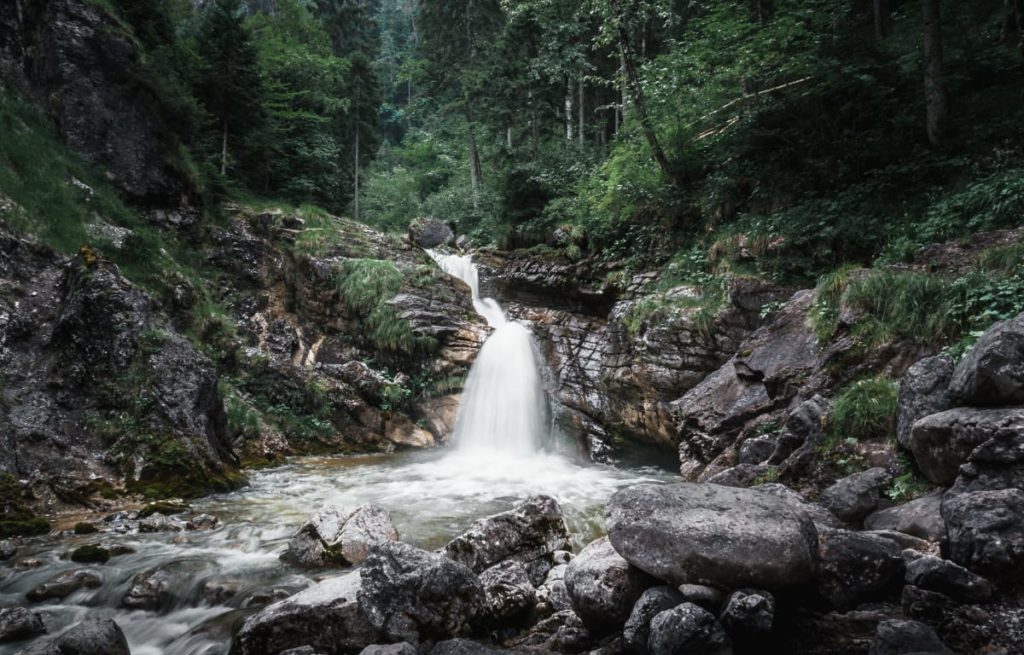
column 179, row 484
column 85, row 528
column 90, row 555
column 165, row 507
column 30, row 527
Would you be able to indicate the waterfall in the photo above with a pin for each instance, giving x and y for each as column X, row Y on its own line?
column 503, row 406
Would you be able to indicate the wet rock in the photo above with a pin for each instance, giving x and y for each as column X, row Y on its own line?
column 301, row 650
column 562, row 632
column 603, row 587
column 65, row 584
column 801, row 436
column 337, row 535
column 707, row 534
column 687, row 630
column 160, row 523
column 85, row 528
column 992, row 373
column 266, row 597
column 165, row 507
column 748, row 614
column 464, row 647
column 904, row 541
column 7, row 551
column 218, row 592
column 553, row 593
column 403, row 432
column 857, row 495
column 942, row 442
column 923, row 392
column 532, row 531
column 901, row 637
column 986, row 532
column 510, row 594
column 855, row 568
column 821, row 517
column 410, row 594
column 654, row 601
column 89, row 637
column 90, row 555
column 945, row 577
column 390, row 649
column 17, row 623
column 921, row 517
column 758, row 450
column 326, row 617
column 150, row 590
column 703, row 596
column 27, row 564
column 203, row 522
column 430, row 233
column 741, row 475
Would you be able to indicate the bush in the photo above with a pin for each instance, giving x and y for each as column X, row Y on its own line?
column 865, row 409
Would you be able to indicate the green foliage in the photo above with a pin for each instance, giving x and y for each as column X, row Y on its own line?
column 864, row 410
column 909, row 483
column 16, row 520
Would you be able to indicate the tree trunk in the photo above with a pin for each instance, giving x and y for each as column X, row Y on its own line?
column 582, row 108
column 934, row 80
column 568, row 112
column 881, row 10
column 475, row 177
column 355, row 199
column 508, row 137
column 224, row 150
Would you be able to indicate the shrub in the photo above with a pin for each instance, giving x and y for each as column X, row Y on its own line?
column 865, row 409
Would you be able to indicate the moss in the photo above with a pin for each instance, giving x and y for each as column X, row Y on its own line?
column 167, row 508
column 90, row 555
column 31, row 527
column 85, row 528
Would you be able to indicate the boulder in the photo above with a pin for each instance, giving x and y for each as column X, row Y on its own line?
column 855, row 496
column 741, row 475
column 17, row 623
column 654, row 601
column 986, row 532
column 203, row 522
column 759, row 449
column 603, row 587
column 430, row 233
column 708, row 534
column 464, row 647
column 992, row 373
column 924, row 390
column 532, row 531
column 901, row 637
column 945, row 577
column 218, row 592
column 748, row 614
column 89, row 637
column 821, row 517
column 65, row 584
column 402, row 648
column 942, row 442
column 562, row 632
column 921, row 517
column 687, row 630
column 998, row 463
column 160, row 523
column 150, row 590
column 855, row 568
column 709, row 598
column 336, row 535
column 326, row 617
column 411, row 595
column 553, row 593
column 510, row 594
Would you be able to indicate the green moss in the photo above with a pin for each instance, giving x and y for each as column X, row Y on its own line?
column 85, row 528
column 24, row 528
column 167, row 508
column 90, row 555
column 864, row 410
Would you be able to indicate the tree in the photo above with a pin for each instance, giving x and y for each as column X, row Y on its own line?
column 934, row 78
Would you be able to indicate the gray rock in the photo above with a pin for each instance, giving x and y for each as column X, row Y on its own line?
column 160, row 523
column 707, row 534
column 748, row 613
column 65, row 584
column 7, row 551
column 998, row 463
column 402, row 648
column 17, row 623
column 652, row 602
column 904, row 541
column 821, row 517
column 801, row 434
column 921, row 517
column 758, row 449
column 924, row 390
column 687, row 630
column 562, row 632
column 855, row 568
column 901, row 637
column 603, row 587
column 532, row 531
column 942, row 442
column 410, row 594
column 709, row 598
column 945, row 577
column 301, row 650
column 339, row 536
column 89, row 637
column 855, row 496
column 203, row 522
column 992, row 373
column 464, row 647
column 218, row 592
column 326, row 617
column 741, row 475
column 150, row 590
column 430, row 233
column 510, row 594
column 986, row 532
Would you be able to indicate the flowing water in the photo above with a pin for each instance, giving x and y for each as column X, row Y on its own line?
column 501, row 455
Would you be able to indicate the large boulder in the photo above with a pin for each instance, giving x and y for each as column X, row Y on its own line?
column 748, row 614
column 901, row 637
column 857, row 567
column 942, row 442
column 707, row 534
column 986, row 532
column 855, row 496
column 326, row 617
column 89, row 637
column 992, row 373
column 411, row 595
column 687, row 630
column 603, row 587
column 654, row 601
column 65, row 584
column 921, row 517
column 18, row 623
column 337, row 535
column 430, row 233
column 945, row 577
column 150, row 590
column 924, row 390
column 510, row 594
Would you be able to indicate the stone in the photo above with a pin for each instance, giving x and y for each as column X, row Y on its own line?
column 654, row 601
column 921, row 517
column 150, row 591
column 942, row 442
column 88, row 637
column 7, row 551
column 687, row 630
column 855, row 568
column 510, row 594
column 945, row 577
column 904, row 541
column 748, row 613
column 336, row 535
column 90, row 554
column 924, row 390
column 411, row 595
column 992, row 372
column 65, row 584
column 986, row 532
column 553, row 595
column 464, row 647
column 17, row 623
column 704, row 596
column 708, row 534
column 758, row 450
column 402, row 648
column 159, row 523
column 301, row 650
column 203, row 522
column 855, row 496
column 430, row 233
column 902, row 637
column 562, row 632
column 219, row 592
column 821, row 517
column 741, row 475
column 603, row 587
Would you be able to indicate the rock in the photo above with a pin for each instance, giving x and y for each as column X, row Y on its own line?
column 326, row 617
column 337, row 535
column 801, row 435
column 218, row 592
column 90, row 555
column 464, row 647
column 403, row 432
column 741, row 475
column 904, row 541
column 7, row 551
column 562, row 632
column 855, row 568
column 687, row 630
column 942, row 442
column 924, row 390
column 89, row 637
column 203, row 522
column 164, row 507
column 430, row 233
column 707, row 534
column 265, row 597
column 553, row 594
column 901, row 637
column 921, row 517
column 410, row 594
column 65, row 584
column 301, row 650
column 390, row 649
column 758, row 449
column 159, row 523
column 652, row 602
column 986, row 532
column 603, row 587
column 821, row 517
column 703, row 596
column 17, row 623
column 533, row 530
column 510, row 594
column 945, row 577
column 150, row 590
column 748, row 614
column 855, row 496
column 992, row 373
column 85, row 528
